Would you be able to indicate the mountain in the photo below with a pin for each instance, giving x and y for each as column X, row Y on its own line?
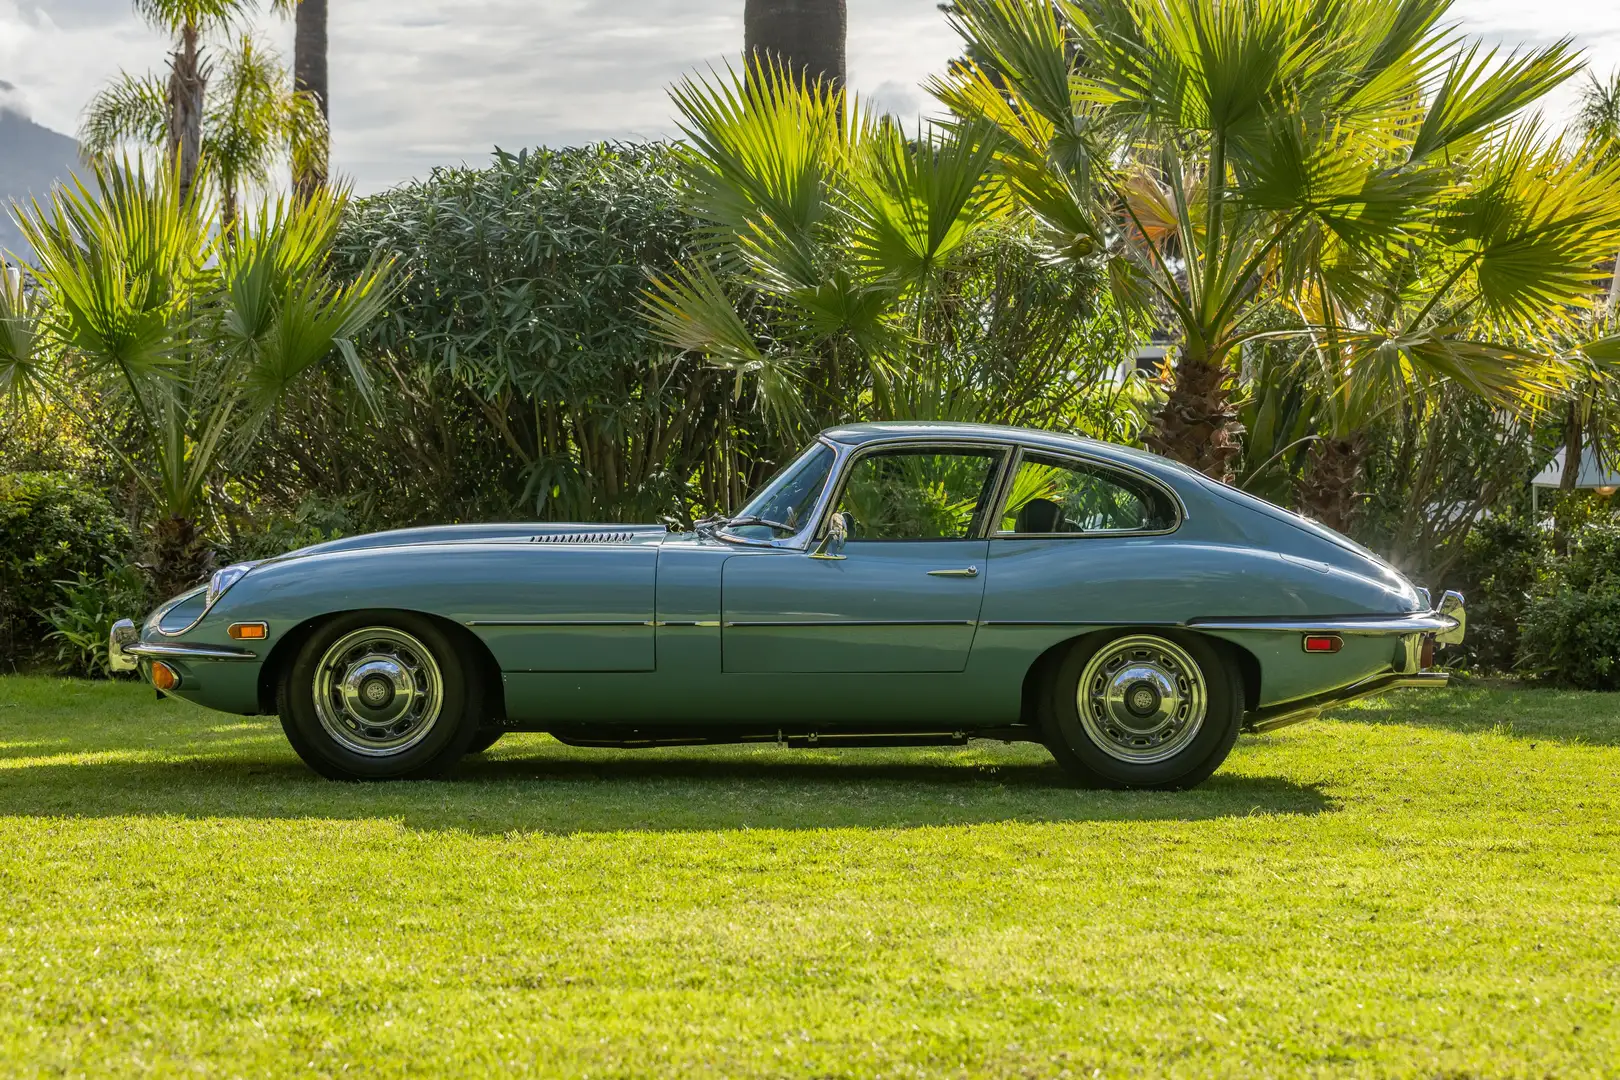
column 32, row 160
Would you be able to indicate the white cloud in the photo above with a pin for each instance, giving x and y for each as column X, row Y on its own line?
column 422, row 82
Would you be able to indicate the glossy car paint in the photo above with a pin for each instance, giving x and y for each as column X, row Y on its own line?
column 614, row 624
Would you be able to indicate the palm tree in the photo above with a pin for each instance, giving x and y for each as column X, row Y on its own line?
column 309, row 80
column 849, row 270
column 195, row 339
column 806, row 37
column 251, row 119
column 184, row 92
column 1224, row 157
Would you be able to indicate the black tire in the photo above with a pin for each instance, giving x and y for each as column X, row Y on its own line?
column 1095, row 760
column 486, row 738
column 429, row 746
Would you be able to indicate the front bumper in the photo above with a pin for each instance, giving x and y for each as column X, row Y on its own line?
column 126, row 650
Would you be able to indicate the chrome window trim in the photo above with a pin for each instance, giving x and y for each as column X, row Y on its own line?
column 846, row 464
column 801, row 539
column 1178, row 507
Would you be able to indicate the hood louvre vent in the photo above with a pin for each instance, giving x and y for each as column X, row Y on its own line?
column 593, row 537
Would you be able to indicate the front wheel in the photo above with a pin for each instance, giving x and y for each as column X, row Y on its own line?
column 1143, row 710
column 380, row 696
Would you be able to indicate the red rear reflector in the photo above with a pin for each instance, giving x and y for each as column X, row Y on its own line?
column 248, row 631
column 1323, row 643
column 164, row 676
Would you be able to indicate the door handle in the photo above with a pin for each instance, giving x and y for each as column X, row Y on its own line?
column 969, row 571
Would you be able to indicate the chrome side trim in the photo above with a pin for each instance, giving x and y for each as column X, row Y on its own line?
column 1273, row 717
column 156, row 651
column 560, row 622
column 839, row 624
column 1421, row 622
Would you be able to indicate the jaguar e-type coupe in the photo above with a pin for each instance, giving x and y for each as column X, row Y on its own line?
column 895, row 584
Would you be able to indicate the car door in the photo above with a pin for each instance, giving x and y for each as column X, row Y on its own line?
column 902, row 595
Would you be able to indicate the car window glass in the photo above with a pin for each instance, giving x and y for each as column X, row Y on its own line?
column 790, row 496
column 1053, row 495
column 918, row 494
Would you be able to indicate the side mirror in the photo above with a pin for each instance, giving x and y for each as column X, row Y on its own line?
column 832, row 542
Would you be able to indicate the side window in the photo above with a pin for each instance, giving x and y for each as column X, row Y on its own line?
column 919, row 494
column 1054, row 495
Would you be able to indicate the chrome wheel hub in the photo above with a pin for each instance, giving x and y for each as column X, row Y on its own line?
column 378, row 691
column 1141, row 699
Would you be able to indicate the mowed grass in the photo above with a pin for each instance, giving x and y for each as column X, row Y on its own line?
column 1428, row 885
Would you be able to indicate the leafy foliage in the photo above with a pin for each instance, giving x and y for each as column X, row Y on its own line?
column 847, row 271
column 198, row 338
column 53, row 527
column 82, row 620
column 1571, row 633
column 1355, row 163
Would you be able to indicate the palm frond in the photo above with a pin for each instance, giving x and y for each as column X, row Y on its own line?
column 130, row 109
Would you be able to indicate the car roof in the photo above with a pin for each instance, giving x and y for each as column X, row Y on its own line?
column 861, row 434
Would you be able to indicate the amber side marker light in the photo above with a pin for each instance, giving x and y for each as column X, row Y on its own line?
column 248, row 631
column 1323, row 643
column 164, row 677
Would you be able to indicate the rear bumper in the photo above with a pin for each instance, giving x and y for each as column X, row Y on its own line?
column 1273, row 717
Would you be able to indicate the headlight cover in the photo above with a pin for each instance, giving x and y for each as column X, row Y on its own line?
column 224, row 579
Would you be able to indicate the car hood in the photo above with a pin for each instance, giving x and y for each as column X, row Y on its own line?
column 566, row 533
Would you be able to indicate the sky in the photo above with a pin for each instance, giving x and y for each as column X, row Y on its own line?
column 417, row 83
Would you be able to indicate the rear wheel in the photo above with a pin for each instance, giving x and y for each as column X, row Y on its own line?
column 379, row 696
column 1143, row 710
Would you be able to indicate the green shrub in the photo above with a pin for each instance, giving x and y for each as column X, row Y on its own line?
column 53, row 527
column 84, row 618
column 1497, row 573
column 1571, row 629
column 316, row 521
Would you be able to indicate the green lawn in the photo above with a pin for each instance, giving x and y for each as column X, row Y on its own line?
column 1428, row 886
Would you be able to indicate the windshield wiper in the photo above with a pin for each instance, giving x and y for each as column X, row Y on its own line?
column 767, row 522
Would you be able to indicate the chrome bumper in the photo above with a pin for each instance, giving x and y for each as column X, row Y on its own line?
column 1298, row 711
column 126, row 650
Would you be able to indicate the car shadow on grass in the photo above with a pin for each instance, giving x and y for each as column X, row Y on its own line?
column 578, row 794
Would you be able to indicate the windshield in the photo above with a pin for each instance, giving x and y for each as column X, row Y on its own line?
column 783, row 507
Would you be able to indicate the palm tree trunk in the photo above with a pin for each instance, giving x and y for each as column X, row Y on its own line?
column 1574, row 447
column 187, row 87
column 1333, row 472
column 806, row 36
column 181, row 555
column 1198, row 425
column 309, row 77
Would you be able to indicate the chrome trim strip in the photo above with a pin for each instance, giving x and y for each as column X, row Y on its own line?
column 690, row 622
column 838, row 624
column 1273, row 717
column 561, row 622
column 154, row 651
column 1418, row 622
